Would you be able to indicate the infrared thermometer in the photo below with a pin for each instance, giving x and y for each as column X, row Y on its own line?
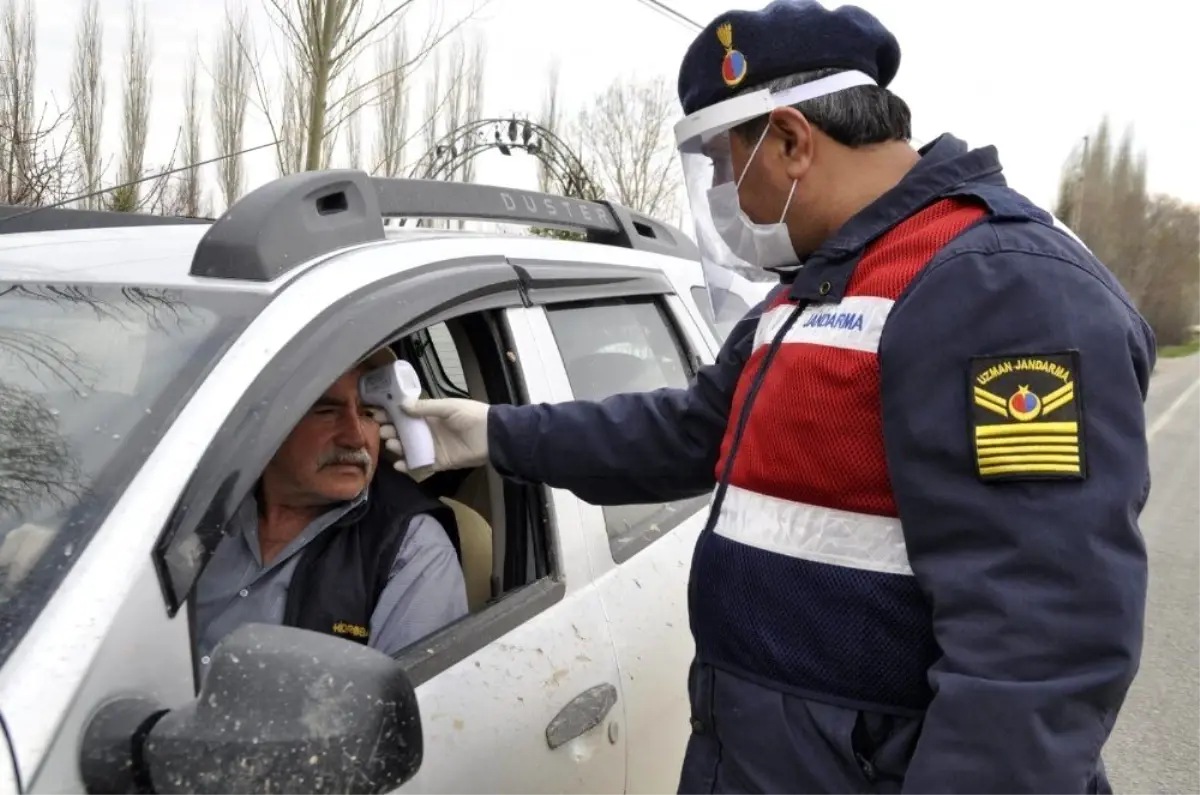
column 388, row 387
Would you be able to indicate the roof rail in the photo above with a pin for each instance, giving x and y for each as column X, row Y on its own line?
column 298, row 217
column 15, row 219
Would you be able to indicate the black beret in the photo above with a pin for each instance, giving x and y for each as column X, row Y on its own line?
column 742, row 49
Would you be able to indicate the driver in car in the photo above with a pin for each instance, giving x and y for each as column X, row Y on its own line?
column 328, row 542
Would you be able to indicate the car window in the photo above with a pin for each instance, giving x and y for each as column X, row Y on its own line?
column 614, row 347
column 89, row 379
column 621, row 346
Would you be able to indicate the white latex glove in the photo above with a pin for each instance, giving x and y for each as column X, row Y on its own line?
column 459, row 430
column 21, row 549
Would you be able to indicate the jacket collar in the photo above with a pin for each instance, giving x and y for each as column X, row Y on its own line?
column 947, row 168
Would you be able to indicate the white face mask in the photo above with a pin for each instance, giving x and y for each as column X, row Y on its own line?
column 759, row 245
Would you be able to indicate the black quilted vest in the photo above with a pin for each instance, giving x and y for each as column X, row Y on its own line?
column 342, row 572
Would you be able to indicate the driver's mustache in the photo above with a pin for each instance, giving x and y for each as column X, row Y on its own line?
column 345, row 455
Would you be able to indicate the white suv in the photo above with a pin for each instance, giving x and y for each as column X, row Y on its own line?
column 149, row 368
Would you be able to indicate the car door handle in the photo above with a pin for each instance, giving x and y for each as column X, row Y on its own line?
column 582, row 714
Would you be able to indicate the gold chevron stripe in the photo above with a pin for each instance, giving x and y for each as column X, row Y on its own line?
column 1029, row 449
column 1031, row 469
column 1057, row 428
column 1008, row 441
column 983, row 394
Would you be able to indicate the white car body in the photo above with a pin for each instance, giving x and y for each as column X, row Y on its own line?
column 105, row 632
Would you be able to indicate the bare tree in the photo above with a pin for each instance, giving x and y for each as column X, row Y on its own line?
column 472, row 90
column 36, row 164
column 458, row 102
column 432, row 130
column 1150, row 243
column 329, row 138
column 231, row 92
column 562, row 159
column 392, row 105
column 135, row 111
column 451, row 113
column 188, row 184
column 18, row 130
column 87, row 98
column 550, row 119
column 454, row 104
column 436, row 100
column 627, row 131
column 1128, row 205
column 292, row 133
column 354, row 153
column 1172, row 269
column 323, row 39
column 1102, row 196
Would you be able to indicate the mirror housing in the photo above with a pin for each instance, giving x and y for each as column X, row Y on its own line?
column 288, row 710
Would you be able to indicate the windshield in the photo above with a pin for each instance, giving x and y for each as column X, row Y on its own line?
column 90, row 377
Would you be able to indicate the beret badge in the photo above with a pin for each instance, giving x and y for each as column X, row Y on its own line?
column 733, row 67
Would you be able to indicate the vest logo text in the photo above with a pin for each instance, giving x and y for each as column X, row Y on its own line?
column 1023, row 365
column 345, row 628
column 848, row 321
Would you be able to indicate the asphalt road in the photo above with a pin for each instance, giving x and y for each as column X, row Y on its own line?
column 1155, row 746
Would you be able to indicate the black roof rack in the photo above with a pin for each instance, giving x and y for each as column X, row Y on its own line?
column 15, row 219
column 298, row 217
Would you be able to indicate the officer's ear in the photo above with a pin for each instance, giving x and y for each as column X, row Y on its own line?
column 795, row 136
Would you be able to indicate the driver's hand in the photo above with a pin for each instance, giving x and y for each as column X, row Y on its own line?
column 21, row 549
column 459, row 429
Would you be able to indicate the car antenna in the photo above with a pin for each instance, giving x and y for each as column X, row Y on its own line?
column 138, row 181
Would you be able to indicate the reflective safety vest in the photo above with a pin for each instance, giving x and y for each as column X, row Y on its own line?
column 801, row 582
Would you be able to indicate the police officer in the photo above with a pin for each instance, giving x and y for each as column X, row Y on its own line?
column 922, row 570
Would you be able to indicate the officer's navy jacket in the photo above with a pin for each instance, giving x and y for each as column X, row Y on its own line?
column 930, row 456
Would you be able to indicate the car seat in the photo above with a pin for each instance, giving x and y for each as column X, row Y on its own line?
column 475, row 536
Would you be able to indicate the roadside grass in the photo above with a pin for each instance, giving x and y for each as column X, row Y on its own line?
column 1186, row 349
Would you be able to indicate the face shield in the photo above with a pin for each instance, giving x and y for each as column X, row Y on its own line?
column 724, row 234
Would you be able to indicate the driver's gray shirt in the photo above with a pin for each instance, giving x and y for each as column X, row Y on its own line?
column 425, row 590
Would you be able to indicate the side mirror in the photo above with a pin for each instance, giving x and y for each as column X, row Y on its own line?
column 281, row 710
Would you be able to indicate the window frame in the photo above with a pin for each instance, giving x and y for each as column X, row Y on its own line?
column 434, row 366
column 648, row 531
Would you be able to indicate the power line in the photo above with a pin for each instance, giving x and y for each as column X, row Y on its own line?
column 138, row 181
column 671, row 13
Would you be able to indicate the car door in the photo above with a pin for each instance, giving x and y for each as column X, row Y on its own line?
column 640, row 554
column 523, row 695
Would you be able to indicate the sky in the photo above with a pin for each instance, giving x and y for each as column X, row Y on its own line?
column 1031, row 78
